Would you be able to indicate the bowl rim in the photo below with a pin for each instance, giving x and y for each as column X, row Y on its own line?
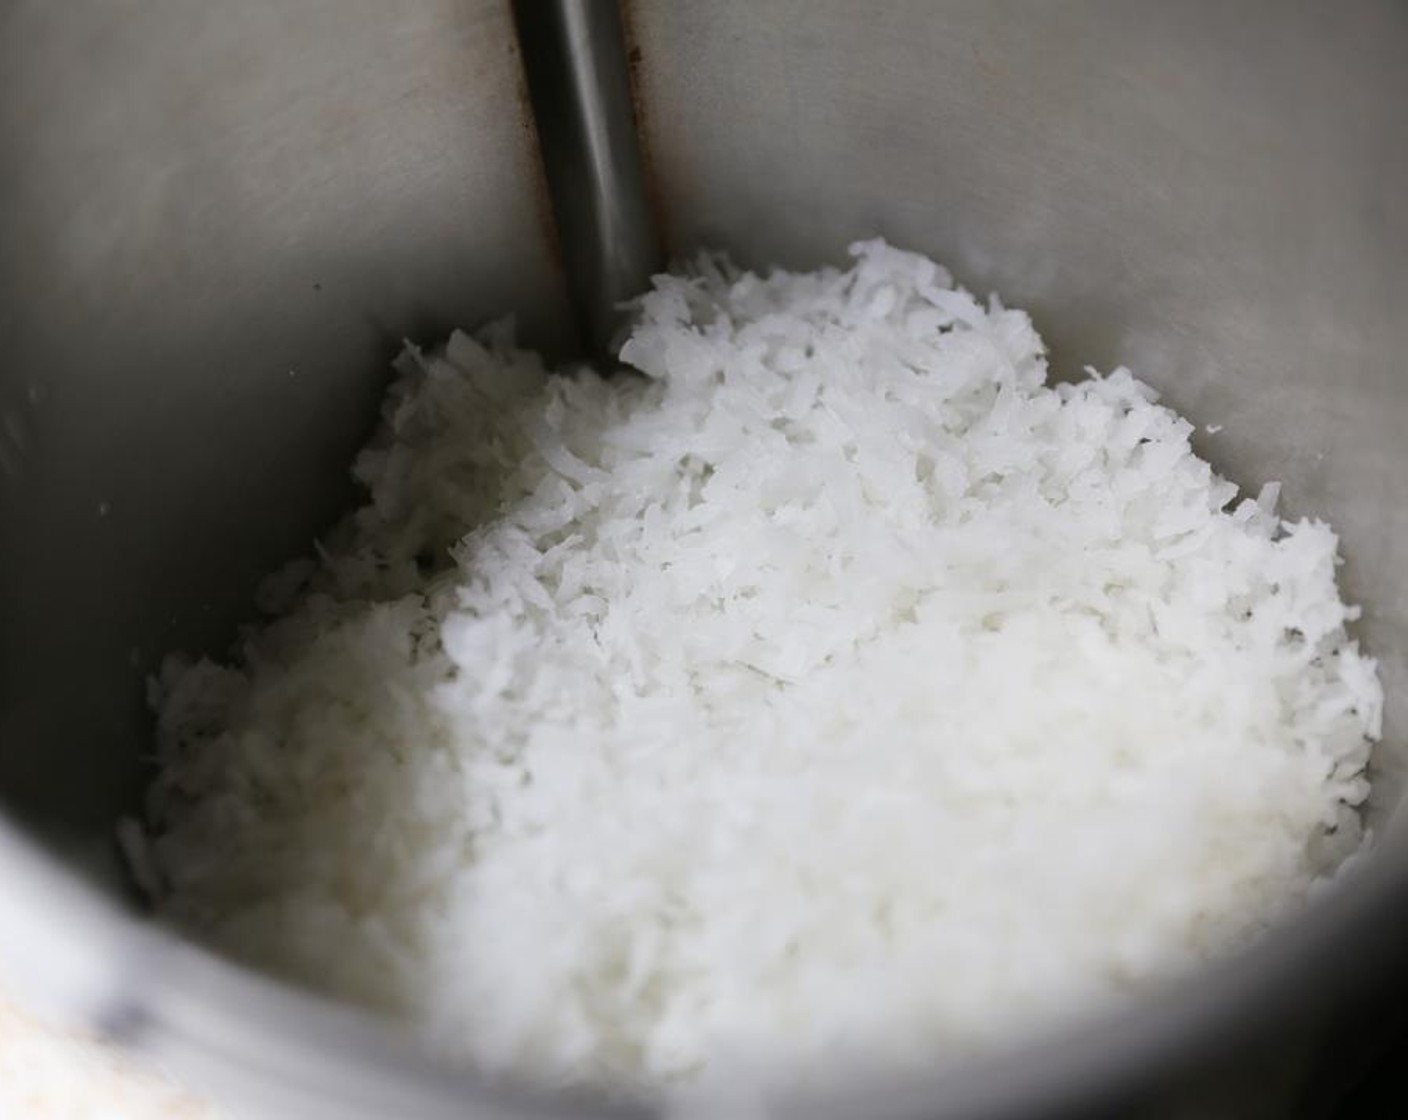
column 70, row 950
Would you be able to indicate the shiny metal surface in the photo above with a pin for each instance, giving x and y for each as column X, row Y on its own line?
column 217, row 221
column 574, row 58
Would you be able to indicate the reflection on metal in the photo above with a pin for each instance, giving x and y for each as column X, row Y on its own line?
column 575, row 61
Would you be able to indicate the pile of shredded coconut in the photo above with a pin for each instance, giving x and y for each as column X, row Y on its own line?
column 837, row 687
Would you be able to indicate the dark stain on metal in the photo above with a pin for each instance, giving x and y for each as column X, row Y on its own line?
column 654, row 188
column 122, row 1021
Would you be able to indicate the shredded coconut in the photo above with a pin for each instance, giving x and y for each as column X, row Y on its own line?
column 832, row 686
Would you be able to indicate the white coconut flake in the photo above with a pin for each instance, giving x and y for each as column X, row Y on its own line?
column 833, row 687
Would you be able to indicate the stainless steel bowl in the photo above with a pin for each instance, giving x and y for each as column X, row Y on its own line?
column 218, row 221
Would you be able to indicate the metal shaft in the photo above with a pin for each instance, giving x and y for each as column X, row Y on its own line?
column 574, row 58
